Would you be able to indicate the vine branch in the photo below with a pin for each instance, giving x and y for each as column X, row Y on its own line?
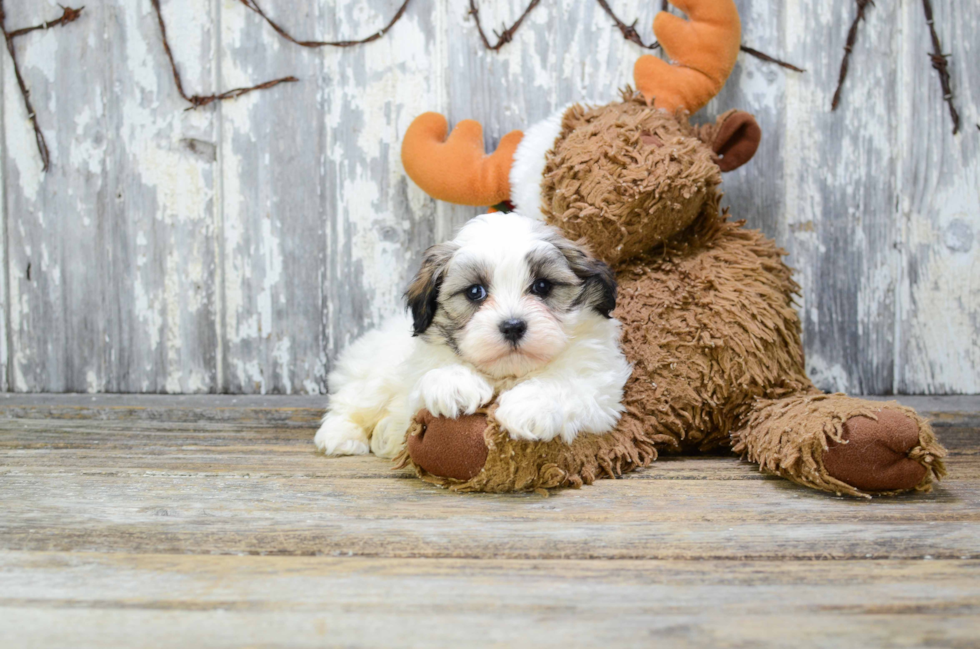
column 627, row 30
column 862, row 6
column 762, row 56
column 197, row 101
column 939, row 60
column 940, row 63
column 254, row 6
column 505, row 36
column 68, row 15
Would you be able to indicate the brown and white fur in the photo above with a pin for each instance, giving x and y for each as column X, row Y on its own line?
column 508, row 309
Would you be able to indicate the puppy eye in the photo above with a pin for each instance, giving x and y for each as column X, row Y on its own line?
column 476, row 293
column 541, row 287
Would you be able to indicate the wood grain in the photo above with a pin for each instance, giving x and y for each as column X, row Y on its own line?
column 239, row 248
column 938, row 208
column 108, row 600
column 257, row 487
column 58, row 318
column 841, row 175
column 127, row 523
column 271, row 237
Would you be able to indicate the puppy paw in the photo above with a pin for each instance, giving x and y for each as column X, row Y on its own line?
column 338, row 436
column 451, row 392
column 531, row 412
column 388, row 437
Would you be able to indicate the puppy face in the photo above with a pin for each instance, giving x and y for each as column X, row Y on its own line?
column 506, row 292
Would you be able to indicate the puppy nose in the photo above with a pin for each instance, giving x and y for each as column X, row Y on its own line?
column 513, row 329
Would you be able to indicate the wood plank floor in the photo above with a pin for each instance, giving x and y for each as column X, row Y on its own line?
column 210, row 522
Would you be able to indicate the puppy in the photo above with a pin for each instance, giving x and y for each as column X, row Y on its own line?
column 509, row 308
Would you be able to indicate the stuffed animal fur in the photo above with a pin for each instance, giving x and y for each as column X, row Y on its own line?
column 705, row 303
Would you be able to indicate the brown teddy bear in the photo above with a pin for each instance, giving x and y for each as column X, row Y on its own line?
column 706, row 304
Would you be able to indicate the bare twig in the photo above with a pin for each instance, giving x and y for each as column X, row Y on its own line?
column 762, row 56
column 505, row 36
column 253, row 5
column 629, row 31
column 197, row 101
column 68, row 15
column 862, row 5
column 940, row 62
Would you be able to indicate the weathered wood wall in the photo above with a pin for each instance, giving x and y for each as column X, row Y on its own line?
column 238, row 247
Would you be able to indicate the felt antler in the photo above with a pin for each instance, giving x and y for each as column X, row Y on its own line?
column 703, row 50
column 458, row 169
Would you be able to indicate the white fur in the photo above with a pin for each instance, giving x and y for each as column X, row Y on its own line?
column 564, row 378
column 527, row 171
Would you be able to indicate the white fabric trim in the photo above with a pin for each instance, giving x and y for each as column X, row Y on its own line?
column 529, row 161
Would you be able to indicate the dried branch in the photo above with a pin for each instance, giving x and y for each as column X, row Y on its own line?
column 197, row 101
column 68, row 15
column 940, row 63
column 762, row 56
column 505, row 36
column 629, row 31
column 862, row 5
column 253, row 5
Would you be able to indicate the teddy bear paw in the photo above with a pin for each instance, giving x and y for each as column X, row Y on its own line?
column 875, row 455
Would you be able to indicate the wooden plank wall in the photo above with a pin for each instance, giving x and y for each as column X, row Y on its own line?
column 239, row 247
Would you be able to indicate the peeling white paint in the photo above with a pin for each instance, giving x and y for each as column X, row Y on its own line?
column 827, row 376
column 21, row 153
column 285, row 247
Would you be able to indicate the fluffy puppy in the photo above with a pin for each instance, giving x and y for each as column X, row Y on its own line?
column 509, row 308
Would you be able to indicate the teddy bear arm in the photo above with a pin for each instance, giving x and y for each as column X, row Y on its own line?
column 840, row 444
column 474, row 453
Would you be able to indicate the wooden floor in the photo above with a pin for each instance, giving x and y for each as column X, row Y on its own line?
column 198, row 522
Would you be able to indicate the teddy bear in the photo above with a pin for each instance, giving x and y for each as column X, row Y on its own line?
column 706, row 304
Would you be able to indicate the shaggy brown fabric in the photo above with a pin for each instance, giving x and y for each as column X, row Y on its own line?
column 791, row 436
column 625, row 177
column 528, row 466
column 709, row 325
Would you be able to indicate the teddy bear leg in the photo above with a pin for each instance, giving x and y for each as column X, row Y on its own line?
column 837, row 443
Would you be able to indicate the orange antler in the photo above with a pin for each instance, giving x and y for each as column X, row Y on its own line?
column 704, row 50
column 457, row 169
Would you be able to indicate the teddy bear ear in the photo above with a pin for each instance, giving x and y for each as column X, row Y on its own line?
column 734, row 139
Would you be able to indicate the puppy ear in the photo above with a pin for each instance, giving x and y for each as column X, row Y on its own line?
column 423, row 294
column 598, row 281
